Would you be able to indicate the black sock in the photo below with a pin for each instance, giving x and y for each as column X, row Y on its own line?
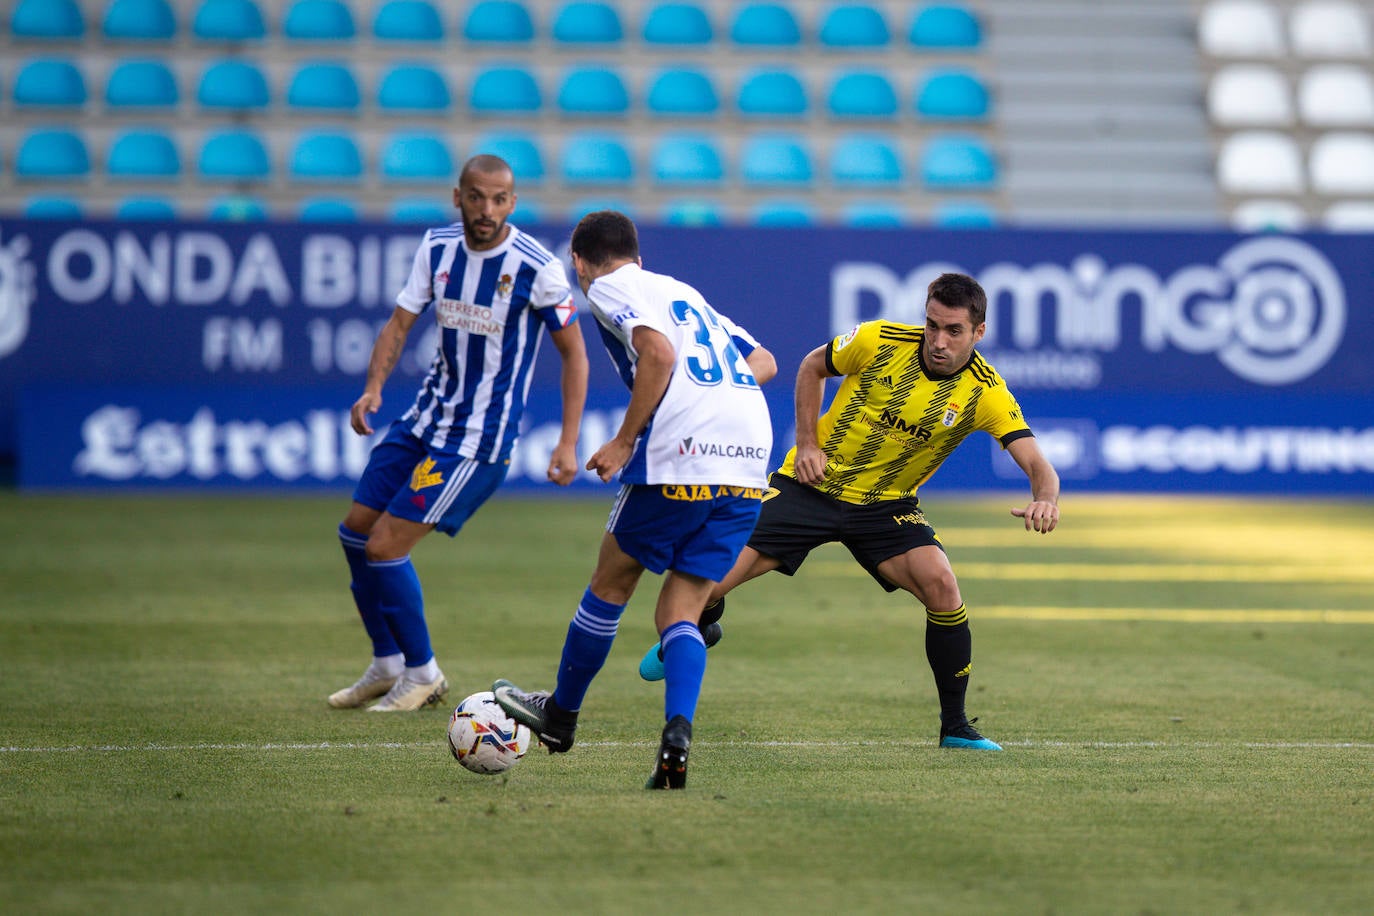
column 949, row 649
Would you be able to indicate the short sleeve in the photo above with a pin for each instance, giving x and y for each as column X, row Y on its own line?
column 1000, row 415
column 848, row 353
column 418, row 292
column 552, row 297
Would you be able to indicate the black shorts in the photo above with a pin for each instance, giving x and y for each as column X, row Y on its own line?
column 800, row 518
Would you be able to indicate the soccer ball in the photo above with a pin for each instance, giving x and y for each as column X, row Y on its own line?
column 483, row 738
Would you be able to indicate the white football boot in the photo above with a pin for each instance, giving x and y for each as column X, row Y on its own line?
column 407, row 695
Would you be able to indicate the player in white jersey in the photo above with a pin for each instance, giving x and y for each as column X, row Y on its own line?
column 493, row 290
column 692, row 453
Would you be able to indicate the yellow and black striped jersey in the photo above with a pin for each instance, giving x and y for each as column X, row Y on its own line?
column 892, row 423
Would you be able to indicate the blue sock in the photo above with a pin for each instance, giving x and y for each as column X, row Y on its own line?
column 365, row 593
column 403, row 604
column 589, row 640
column 684, row 665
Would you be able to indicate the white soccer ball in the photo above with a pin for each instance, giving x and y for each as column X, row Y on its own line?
column 483, row 738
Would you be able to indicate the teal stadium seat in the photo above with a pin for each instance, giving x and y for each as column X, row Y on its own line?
column 49, row 83
column 952, row 94
column 963, row 214
column 145, row 84
column 686, row 159
column 505, row 90
column 519, row 150
column 526, row 213
column 873, row 215
column 582, row 207
column 228, row 21
column 319, row 20
column 775, row 159
column 862, row 94
column 767, row 25
column 772, row 94
column 411, row 157
column 52, row 153
column 587, row 23
column 681, row 93
column 51, row 207
column 692, row 213
column 865, row 160
column 498, row 21
column 413, row 89
column 143, row 155
column 408, row 21
column 783, row 214
column 237, row 208
column 420, row 212
column 854, row 26
column 156, row 209
column 326, row 156
column 234, row 155
column 945, row 27
column 324, row 87
column 958, row 163
column 596, row 159
column 593, row 91
column 139, row 20
column 233, row 85
column 328, row 210
column 678, row 24
column 47, row 20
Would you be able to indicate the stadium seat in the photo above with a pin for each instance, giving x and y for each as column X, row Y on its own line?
column 596, row 159
column 775, row 159
column 47, row 20
column 143, row 155
column 228, row 20
column 1268, row 216
column 1336, row 95
column 234, row 155
column 963, row 214
column 49, row 207
column 323, row 86
column 594, row 91
column 854, row 25
column 318, row 20
column 233, row 85
column 587, row 23
column 865, row 160
column 769, row 25
column 326, row 156
column 677, row 24
column 1329, row 29
column 498, row 21
column 681, row 93
column 862, row 94
column 49, row 83
column 139, row 20
column 505, row 90
column 873, row 215
column 526, row 212
column 328, row 210
column 957, row 163
column 53, row 153
column 414, row 210
column 1249, row 95
column 1349, row 216
column 416, row 157
column 520, row 152
column 686, row 159
column 1342, row 163
column 413, row 89
column 237, row 208
column 1259, row 162
column 407, row 20
column 954, row 95
column 783, row 214
column 157, row 209
column 142, row 84
column 772, row 94
column 582, row 207
column 691, row 213
column 1240, row 28
column 941, row 27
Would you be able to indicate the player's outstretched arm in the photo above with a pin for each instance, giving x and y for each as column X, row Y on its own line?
column 386, row 352
column 1042, row 512
column 573, row 385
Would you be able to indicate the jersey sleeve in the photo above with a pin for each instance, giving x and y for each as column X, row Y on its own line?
column 614, row 298
column 848, row 353
column 552, row 298
column 418, row 292
column 1000, row 416
column 743, row 340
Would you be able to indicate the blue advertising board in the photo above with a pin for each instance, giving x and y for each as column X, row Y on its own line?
column 1178, row 361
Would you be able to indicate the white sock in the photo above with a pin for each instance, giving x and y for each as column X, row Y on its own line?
column 388, row 665
column 425, row 673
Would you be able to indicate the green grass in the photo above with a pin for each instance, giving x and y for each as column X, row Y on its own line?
column 1170, row 747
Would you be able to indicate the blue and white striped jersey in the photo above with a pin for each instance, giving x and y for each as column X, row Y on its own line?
column 490, row 306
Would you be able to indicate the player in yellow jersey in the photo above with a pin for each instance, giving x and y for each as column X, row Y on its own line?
column 909, row 396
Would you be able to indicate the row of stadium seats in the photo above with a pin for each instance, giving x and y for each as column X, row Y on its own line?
column 1272, row 162
column 1316, row 29
column 848, row 25
column 242, row 156
column 506, row 90
column 1260, row 95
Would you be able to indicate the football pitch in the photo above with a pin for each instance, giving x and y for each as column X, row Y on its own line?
column 1184, row 689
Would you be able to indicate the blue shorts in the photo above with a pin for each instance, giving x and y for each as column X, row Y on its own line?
column 411, row 481
column 688, row 528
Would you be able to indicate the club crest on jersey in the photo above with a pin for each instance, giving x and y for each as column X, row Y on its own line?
column 951, row 414
column 424, row 475
column 503, row 286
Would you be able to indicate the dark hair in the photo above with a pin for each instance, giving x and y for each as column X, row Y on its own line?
column 960, row 291
column 487, row 164
column 604, row 236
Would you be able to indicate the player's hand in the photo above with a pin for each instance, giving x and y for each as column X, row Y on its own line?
column 563, row 465
column 610, row 458
column 369, row 403
column 809, row 464
column 1040, row 515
